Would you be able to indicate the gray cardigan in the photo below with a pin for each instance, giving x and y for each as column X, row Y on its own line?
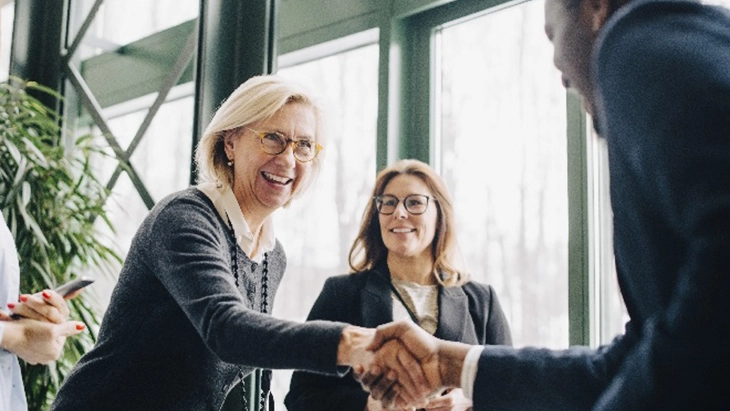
column 177, row 328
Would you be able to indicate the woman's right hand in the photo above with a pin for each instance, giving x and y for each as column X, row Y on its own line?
column 451, row 400
column 375, row 405
column 352, row 350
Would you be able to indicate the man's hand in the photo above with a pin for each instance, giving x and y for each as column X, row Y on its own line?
column 38, row 342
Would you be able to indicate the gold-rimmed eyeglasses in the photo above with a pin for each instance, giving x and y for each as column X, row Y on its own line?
column 275, row 143
column 415, row 203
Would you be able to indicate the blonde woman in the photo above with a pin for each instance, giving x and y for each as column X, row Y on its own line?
column 190, row 314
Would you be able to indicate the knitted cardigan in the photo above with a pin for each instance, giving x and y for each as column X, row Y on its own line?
column 178, row 331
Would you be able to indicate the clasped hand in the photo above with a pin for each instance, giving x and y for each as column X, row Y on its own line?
column 408, row 367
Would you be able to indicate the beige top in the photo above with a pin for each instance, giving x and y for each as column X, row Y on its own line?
column 422, row 301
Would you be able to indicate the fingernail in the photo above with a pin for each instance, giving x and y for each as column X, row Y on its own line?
column 46, row 294
column 23, row 298
column 80, row 326
column 11, row 305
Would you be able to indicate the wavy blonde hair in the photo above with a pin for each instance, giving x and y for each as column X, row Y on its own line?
column 368, row 250
column 257, row 99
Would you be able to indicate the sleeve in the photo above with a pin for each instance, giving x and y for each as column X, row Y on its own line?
column 498, row 331
column 469, row 370
column 9, row 269
column 310, row 391
column 538, row 378
column 190, row 257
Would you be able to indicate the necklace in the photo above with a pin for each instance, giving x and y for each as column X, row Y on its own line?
column 413, row 315
column 265, row 374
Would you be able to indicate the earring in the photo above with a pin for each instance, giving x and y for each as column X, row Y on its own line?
column 230, row 163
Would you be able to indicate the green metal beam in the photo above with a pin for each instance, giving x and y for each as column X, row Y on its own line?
column 578, row 238
column 36, row 45
column 139, row 68
column 236, row 42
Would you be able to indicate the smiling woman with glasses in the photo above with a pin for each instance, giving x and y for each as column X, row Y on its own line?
column 405, row 268
column 191, row 314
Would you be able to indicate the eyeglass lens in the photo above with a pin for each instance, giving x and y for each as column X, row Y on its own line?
column 414, row 203
column 273, row 143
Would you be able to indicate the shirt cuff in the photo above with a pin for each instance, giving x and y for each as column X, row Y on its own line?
column 469, row 370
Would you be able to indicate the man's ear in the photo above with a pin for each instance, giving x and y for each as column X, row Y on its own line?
column 598, row 12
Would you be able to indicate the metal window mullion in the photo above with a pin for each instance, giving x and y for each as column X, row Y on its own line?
column 90, row 103
column 579, row 282
column 181, row 64
column 82, row 31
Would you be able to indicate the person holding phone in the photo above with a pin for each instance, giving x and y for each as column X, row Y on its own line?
column 404, row 268
column 36, row 334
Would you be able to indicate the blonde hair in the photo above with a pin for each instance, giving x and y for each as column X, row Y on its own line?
column 257, row 99
column 368, row 249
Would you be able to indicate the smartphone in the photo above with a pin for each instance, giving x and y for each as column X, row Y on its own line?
column 73, row 285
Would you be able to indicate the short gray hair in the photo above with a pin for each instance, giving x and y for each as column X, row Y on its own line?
column 257, row 99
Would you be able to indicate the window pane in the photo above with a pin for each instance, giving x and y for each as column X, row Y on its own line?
column 7, row 12
column 318, row 229
column 503, row 155
column 123, row 21
column 161, row 161
column 610, row 311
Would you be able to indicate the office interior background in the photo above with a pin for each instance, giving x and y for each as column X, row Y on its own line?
column 465, row 85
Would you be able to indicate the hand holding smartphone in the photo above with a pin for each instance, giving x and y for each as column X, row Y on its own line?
column 65, row 290
column 73, row 286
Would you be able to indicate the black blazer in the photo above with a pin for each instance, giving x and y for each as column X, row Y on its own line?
column 470, row 314
column 663, row 105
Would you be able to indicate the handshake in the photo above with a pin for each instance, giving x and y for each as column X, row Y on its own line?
column 401, row 365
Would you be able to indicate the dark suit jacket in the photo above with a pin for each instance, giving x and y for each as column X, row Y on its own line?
column 662, row 71
column 470, row 313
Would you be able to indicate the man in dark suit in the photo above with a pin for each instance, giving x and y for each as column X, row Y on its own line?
column 655, row 75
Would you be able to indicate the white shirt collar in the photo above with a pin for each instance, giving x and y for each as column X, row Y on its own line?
column 226, row 204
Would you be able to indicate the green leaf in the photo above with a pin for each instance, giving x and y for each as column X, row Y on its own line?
column 26, row 194
column 55, row 207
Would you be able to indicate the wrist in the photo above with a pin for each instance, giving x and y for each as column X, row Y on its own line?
column 451, row 362
column 353, row 342
column 12, row 336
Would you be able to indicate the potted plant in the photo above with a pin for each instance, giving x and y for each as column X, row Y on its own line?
column 53, row 204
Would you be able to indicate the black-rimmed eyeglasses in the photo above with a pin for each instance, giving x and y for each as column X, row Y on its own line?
column 274, row 143
column 415, row 203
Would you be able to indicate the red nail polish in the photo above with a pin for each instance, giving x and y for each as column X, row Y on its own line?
column 11, row 305
column 80, row 326
column 23, row 298
column 46, row 294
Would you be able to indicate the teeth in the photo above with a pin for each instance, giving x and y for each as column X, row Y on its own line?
column 402, row 230
column 275, row 178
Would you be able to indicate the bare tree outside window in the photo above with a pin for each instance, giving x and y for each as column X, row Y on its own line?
column 503, row 155
column 318, row 229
